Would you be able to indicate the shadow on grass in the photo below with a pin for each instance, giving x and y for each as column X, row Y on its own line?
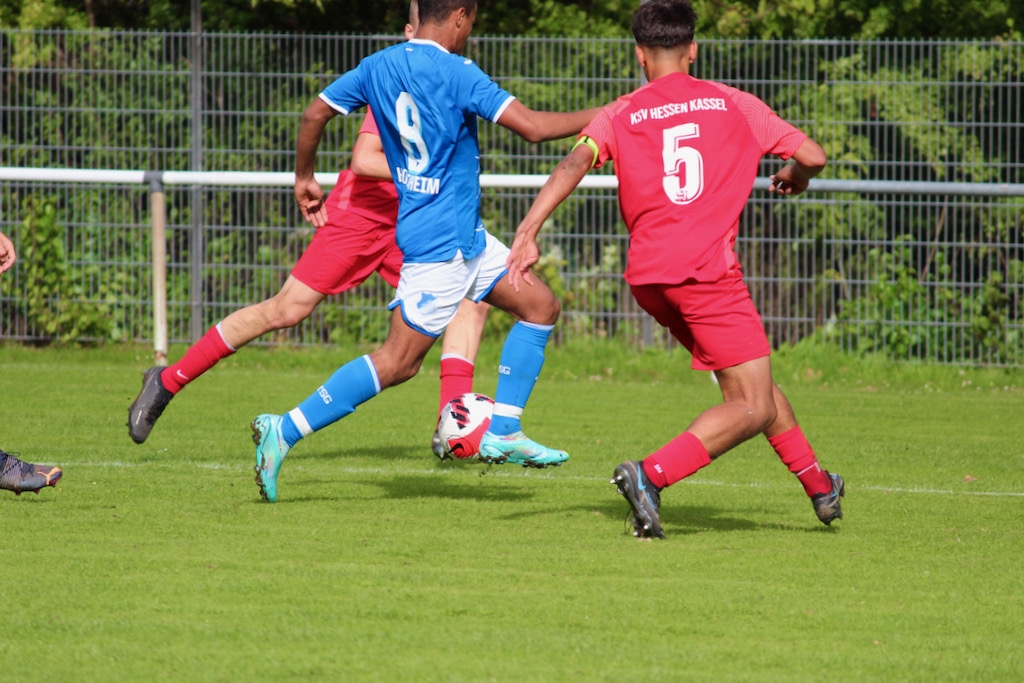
column 676, row 520
column 437, row 487
column 403, row 488
column 681, row 520
column 693, row 519
column 398, row 451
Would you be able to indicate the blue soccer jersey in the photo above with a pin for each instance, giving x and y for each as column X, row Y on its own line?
column 426, row 101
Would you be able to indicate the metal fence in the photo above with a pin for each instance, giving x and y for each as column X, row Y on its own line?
column 914, row 264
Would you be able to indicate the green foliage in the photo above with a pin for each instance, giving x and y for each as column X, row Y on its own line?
column 610, row 19
column 85, row 74
column 902, row 317
column 910, row 111
column 859, row 19
column 908, row 122
column 360, row 319
column 53, row 291
column 725, row 18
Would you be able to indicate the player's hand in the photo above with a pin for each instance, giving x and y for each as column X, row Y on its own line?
column 788, row 181
column 310, row 198
column 7, row 255
column 522, row 255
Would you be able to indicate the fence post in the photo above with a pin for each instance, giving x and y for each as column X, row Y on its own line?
column 158, row 218
column 197, row 54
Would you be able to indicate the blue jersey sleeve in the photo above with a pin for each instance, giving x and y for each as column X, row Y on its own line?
column 346, row 93
column 480, row 94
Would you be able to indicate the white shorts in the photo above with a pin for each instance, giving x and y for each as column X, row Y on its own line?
column 430, row 293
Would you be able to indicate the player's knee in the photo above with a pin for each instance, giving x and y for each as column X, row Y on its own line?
column 556, row 309
column 293, row 315
column 546, row 312
column 283, row 313
column 764, row 415
column 395, row 365
column 409, row 370
column 756, row 416
column 397, row 373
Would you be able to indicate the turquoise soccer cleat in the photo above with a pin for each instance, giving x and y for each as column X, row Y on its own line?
column 518, row 449
column 270, row 453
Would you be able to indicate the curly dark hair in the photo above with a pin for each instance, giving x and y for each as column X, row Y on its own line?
column 663, row 23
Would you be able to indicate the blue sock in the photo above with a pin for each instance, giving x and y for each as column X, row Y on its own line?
column 352, row 385
column 522, row 357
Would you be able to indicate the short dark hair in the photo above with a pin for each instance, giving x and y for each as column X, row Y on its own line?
column 438, row 11
column 664, row 23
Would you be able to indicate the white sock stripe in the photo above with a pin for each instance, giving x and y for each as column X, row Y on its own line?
column 808, row 469
column 445, row 356
column 507, row 410
column 300, row 421
column 373, row 371
column 220, row 331
column 536, row 326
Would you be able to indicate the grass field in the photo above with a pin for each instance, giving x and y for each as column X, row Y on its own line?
column 160, row 562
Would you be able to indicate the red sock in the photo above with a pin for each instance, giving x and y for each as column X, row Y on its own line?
column 796, row 454
column 456, row 378
column 200, row 357
column 678, row 459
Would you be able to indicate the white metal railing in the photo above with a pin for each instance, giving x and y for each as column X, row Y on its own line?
column 158, row 180
column 256, row 179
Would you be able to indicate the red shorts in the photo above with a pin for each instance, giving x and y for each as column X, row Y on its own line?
column 348, row 250
column 716, row 322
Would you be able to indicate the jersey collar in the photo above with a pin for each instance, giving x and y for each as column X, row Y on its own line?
column 424, row 41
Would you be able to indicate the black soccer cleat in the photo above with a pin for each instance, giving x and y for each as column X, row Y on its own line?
column 19, row 476
column 643, row 496
column 827, row 505
column 148, row 405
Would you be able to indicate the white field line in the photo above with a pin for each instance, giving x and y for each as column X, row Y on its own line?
column 522, row 472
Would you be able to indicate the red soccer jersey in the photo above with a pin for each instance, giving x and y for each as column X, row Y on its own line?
column 686, row 153
column 369, row 197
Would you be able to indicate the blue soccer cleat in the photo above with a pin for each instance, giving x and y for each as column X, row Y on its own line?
column 517, row 448
column 270, row 453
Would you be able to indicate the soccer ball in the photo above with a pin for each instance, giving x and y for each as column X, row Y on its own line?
column 462, row 424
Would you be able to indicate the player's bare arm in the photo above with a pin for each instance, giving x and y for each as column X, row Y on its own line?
column 566, row 176
column 368, row 157
column 7, row 255
column 808, row 162
column 308, row 193
column 538, row 126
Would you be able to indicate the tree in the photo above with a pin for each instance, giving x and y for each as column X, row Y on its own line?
column 864, row 19
column 516, row 17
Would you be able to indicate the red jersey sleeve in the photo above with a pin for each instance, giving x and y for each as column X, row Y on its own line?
column 369, row 125
column 601, row 132
column 775, row 135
